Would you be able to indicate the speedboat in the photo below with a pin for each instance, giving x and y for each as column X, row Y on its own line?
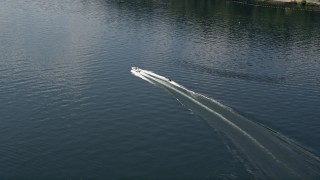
column 136, row 69
column 147, row 75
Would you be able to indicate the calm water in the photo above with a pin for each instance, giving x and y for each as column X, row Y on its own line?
column 71, row 109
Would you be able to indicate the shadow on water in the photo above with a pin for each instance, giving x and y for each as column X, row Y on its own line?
column 271, row 154
column 232, row 74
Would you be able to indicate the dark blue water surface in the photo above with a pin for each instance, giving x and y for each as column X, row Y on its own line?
column 71, row 109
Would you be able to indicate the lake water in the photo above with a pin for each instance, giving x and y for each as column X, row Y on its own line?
column 71, row 109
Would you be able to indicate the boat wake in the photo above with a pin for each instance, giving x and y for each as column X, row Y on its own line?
column 272, row 155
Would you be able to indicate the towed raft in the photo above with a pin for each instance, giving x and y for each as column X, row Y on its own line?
column 269, row 154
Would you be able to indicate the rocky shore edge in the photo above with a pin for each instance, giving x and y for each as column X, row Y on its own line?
column 307, row 5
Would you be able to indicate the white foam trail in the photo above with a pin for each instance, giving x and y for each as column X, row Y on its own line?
column 154, row 75
column 273, row 154
column 180, row 86
column 140, row 76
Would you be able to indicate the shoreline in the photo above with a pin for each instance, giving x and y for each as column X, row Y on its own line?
column 305, row 5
